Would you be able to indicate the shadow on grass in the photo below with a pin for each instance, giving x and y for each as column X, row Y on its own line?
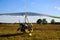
column 8, row 35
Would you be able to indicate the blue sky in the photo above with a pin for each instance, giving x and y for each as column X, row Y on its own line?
column 50, row 7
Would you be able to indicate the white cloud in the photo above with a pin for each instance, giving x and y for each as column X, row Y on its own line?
column 58, row 8
column 33, row 3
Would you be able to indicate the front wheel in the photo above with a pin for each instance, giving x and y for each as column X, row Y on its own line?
column 30, row 34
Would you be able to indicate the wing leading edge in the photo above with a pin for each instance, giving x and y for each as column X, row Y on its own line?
column 29, row 14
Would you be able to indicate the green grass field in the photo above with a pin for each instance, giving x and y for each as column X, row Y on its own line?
column 40, row 32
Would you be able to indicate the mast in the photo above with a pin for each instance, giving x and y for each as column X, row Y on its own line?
column 25, row 17
column 25, row 7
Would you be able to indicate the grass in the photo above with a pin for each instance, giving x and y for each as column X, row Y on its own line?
column 39, row 34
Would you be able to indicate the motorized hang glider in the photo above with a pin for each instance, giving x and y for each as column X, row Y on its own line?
column 28, row 14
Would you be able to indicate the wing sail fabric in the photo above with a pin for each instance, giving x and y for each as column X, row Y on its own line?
column 29, row 14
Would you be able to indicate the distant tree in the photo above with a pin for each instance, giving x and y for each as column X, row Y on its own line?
column 52, row 21
column 44, row 21
column 39, row 21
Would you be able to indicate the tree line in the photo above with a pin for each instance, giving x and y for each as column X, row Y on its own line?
column 44, row 21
